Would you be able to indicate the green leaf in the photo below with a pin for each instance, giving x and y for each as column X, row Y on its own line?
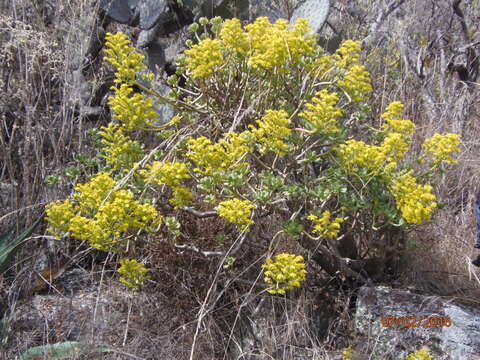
column 9, row 247
column 62, row 350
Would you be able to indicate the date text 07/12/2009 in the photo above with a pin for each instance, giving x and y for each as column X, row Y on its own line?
column 413, row 321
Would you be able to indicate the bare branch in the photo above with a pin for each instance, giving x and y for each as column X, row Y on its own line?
column 199, row 251
column 200, row 214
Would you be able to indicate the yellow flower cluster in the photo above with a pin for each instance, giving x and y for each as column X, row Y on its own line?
column 321, row 66
column 324, row 226
column 133, row 274
column 393, row 123
column 348, row 353
column 321, row 116
column 203, row 57
column 357, row 83
column 123, row 57
column 357, row 154
column 237, row 212
column 265, row 45
column 121, row 152
column 90, row 195
column 101, row 215
column 275, row 45
column 271, row 131
column 347, row 54
column 59, row 214
column 133, row 110
column 441, row 147
column 171, row 174
column 233, row 37
column 422, row 354
column 226, row 154
column 394, row 148
column 415, row 202
column 285, row 273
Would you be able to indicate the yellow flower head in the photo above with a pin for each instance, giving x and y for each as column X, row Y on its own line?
column 237, row 212
column 226, row 154
column 272, row 130
column 415, row 202
column 59, row 215
column 324, row 226
column 203, row 57
column 356, row 154
column 133, row 110
column 348, row 54
column 120, row 150
column 284, row 273
column 321, row 116
column 275, row 45
column 422, row 354
column 133, row 274
column 123, row 57
column 442, row 147
column 233, row 37
column 357, row 83
column 393, row 123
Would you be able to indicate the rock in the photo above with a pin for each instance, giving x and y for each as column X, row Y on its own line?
column 316, row 11
column 119, row 10
column 147, row 36
column 150, row 12
column 155, row 57
column 144, row 12
column 458, row 338
column 165, row 111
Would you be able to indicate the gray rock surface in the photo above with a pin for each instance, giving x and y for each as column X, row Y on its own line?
column 316, row 11
column 458, row 339
column 150, row 12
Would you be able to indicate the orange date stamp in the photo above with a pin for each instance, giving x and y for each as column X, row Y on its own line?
column 413, row 321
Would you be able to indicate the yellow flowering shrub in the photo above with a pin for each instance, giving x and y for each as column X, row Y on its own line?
column 90, row 195
column 274, row 45
column 441, row 147
column 133, row 274
column 357, row 83
column 422, row 354
column 237, row 212
column 348, row 353
column 325, row 226
column 416, row 202
column 263, row 114
column 284, row 273
column 347, row 54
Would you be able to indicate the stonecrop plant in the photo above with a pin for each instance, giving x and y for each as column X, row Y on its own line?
column 267, row 123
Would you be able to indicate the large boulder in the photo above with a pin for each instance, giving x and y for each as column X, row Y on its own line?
column 397, row 322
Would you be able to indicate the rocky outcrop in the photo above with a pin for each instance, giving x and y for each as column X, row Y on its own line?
column 397, row 322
